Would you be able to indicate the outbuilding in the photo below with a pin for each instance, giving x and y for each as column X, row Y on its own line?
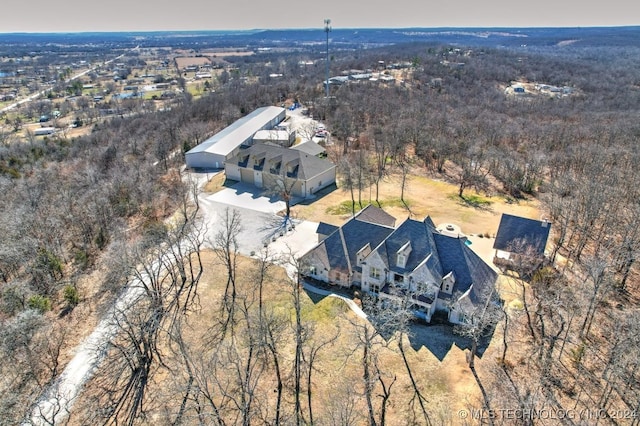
column 215, row 151
column 284, row 138
column 270, row 166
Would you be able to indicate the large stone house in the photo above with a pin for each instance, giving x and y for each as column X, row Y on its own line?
column 437, row 272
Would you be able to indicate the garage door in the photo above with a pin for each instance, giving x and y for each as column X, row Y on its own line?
column 246, row 176
column 297, row 189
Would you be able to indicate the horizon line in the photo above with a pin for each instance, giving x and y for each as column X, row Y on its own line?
column 148, row 31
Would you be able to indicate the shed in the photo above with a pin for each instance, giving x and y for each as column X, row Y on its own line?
column 516, row 234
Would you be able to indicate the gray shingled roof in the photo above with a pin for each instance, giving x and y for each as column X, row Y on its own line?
column 515, row 230
column 373, row 214
column 326, row 228
column 422, row 244
column 309, row 147
column 357, row 234
column 448, row 254
column 308, row 165
column 467, row 267
column 341, row 247
column 334, row 248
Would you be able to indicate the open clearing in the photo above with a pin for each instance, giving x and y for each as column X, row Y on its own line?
column 425, row 197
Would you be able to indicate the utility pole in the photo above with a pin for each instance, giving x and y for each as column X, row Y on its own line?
column 327, row 29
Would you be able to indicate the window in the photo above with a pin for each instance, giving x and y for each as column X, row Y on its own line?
column 375, row 288
column 401, row 260
column 312, row 270
column 374, row 273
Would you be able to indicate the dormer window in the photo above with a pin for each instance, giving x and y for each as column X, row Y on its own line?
column 448, row 282
column 275, row 168
column 402, row 254
column 258, row 163
column 363, row 253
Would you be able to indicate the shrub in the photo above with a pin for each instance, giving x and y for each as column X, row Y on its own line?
column 70, row 294
column 81, row 258
column 577, row 354
column 39, row 303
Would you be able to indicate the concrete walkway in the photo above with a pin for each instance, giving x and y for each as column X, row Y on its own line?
column 352, row 305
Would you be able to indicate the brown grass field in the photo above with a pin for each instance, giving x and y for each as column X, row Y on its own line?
column 184, row 62
column 448, row 385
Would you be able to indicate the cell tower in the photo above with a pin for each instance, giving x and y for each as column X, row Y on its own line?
column 327, row 29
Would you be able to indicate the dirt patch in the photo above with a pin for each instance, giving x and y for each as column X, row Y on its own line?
column 217, row 183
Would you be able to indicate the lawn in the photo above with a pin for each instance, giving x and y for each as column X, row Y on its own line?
column 474, row 214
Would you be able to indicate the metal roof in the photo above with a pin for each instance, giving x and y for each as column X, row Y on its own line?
column 234, row 135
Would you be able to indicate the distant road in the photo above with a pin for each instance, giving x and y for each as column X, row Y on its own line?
column 45, row 91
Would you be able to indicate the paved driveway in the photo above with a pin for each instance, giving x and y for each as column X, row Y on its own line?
column 259, row 220
column 247, row 197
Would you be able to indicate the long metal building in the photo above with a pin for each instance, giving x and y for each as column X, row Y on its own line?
column 212, row 153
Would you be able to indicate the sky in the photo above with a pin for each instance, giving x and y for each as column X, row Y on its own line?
column 154, row 15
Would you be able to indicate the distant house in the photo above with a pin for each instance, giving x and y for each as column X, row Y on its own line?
column 215, row 151
column 267, row 166
column 338, row 81
column 437, row 272
column 517, row 235
column 387, row 79
column 43, row 131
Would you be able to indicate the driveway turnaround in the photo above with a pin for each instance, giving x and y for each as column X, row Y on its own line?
column 247, row 197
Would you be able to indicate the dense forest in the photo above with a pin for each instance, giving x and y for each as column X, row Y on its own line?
column 93, row 209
